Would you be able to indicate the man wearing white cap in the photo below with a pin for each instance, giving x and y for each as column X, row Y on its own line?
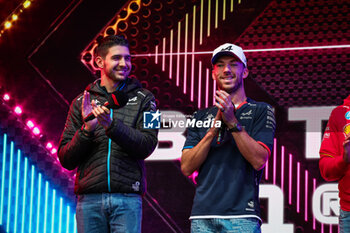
column 229, row 159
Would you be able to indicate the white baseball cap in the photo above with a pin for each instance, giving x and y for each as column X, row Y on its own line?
column 229, row 50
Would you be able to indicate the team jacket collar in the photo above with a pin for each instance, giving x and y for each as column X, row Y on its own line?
column 127, row 86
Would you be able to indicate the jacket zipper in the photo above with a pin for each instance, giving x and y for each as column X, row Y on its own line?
column 109, row 160
column 120, row 87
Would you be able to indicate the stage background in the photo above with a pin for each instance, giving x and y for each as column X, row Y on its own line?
column 298, row 57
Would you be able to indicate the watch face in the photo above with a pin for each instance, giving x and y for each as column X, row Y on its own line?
column 239, row 127
column 236, row 128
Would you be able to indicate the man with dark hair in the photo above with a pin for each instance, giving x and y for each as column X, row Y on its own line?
column 335, row 158
column 108, row 42
column 230, row 159
column 109, row 151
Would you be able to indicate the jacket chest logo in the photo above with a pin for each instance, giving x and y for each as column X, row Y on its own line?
column 347, row 115
column 246, row 115
column 132, row 101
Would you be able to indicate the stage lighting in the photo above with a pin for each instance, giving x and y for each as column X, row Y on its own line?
column 49, row 145
column 6, row 97
column 18, row 110
column 30, row 124
column 26, row 4
column 14, row 17
column 54, row 151
column 36, row 131
column 8, row 24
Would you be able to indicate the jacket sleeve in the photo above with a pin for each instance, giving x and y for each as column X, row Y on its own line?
column 138, row 143
column 332, row 165
column 74, row 145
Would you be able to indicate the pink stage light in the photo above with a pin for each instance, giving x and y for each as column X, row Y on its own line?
column 6, row 97
column 313, row 218
column 306, row 194
column 290, row 179
column 322, row 228
column 199, row 84
column 298, row 187
column 54, row 151
column 274, row 160
column 207, row 88
column 282, row 168
column 36, row 131
column 49, row 145
column 30, row 124
column 18, row 110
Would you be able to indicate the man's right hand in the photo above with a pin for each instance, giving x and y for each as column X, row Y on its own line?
column 213, row 130
column 346, row 145
column 86, row 109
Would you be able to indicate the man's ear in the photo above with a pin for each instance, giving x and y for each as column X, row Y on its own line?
column 245, row 72
column 99, row 61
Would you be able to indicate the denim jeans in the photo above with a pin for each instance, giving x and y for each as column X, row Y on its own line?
column 344, row 221
column 232, row 225
column 109, row 212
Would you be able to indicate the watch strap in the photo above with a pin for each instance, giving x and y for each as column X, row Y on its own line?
column 237, row 127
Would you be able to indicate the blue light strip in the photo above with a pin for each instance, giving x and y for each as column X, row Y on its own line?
column 25, row 196
column 75, row 224
column 46, row 199
column 38, row 205
column 3, row 178
column 53, row 210
column 67, row 221
column 10, row 190
column 60, row 218
column 17, row 187
column 24, row 192
column 31, row 199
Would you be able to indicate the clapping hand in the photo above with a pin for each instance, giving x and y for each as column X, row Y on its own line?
column 86, row 109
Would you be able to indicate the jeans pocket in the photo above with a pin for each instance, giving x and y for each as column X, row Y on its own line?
column 132, row 200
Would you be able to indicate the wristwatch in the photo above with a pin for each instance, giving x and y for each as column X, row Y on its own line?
column 237, row 127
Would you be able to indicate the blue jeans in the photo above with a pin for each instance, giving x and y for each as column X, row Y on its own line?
column 344, row 221
column 232, row 225
column 109, row 212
